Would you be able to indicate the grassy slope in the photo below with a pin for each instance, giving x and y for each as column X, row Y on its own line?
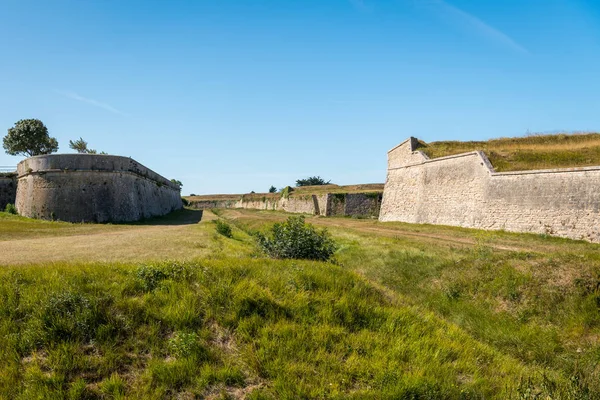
column 527, row 153
column 424, row 311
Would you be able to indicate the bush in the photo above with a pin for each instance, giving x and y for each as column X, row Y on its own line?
column 296, row 239
column 185, row 201
column 223, row 228
column 11, row 209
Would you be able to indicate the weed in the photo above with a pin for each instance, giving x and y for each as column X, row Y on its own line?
column 11, row 209
column 149, row 277
column 223, row 228
column 183, row 345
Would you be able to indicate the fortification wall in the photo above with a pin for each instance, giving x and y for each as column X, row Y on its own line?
column 8, row 189
column 315, row 205
column 464, row 190
column 327, row 204
column 362, row 204
column 92, row 188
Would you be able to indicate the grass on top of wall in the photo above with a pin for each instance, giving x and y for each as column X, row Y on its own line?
column 529, row 152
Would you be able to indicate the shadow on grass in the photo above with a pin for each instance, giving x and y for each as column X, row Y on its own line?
column 184, row 216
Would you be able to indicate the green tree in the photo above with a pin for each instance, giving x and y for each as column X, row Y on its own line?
column 272, row 189
column 177, row 182
column 80, row 146
column 312, row 181
column 29, row 137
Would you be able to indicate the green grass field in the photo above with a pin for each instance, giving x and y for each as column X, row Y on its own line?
column 168, row 308
column 529, row 152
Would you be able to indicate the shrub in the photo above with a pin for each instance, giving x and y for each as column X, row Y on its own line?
column 296, row 239
column 223, row 228
column 185, row 201
column 11, row 209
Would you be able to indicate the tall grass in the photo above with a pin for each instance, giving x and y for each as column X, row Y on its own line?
column 405, row 317
column 277, row 329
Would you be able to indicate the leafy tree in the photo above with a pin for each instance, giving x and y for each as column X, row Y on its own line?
column 312, row 181
column 177, row 182
column 29, row 137
column 272, row 189
column 80, row 146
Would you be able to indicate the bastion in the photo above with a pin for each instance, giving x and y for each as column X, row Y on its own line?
column 465, row 190
column 92, row 188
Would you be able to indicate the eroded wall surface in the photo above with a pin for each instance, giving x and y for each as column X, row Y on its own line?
column 464, row 190
column 92, row 188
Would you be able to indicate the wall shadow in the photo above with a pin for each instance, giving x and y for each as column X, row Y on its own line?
column 184, row 216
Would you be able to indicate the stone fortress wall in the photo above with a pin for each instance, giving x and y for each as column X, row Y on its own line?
column 92, row 188
column 464, row 190
column 327, row 204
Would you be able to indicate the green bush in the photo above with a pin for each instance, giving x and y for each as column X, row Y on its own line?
column 185, row 201
column 223, row 228
column 296, row 239
column 11, row 209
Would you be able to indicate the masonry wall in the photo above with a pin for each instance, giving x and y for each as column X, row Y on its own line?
column 464, row 190
column 338, row 204
column 92, row 188
column 315, row 204
column 8, row 189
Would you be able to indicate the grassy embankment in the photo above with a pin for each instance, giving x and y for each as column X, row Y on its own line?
column 297, row 192
column 407, row 311
column 529, row 152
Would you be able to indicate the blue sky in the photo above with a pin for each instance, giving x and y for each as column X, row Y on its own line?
column 233, row 96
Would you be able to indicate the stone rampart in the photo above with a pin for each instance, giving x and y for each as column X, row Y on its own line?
column 92, row 188
column 8, row 189
column 327, row 204
column 464, row 190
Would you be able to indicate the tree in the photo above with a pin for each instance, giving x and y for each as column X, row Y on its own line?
column 272, row 189
column 29, row 137
column 80, row 146
column 177, row 182
column 312, row 181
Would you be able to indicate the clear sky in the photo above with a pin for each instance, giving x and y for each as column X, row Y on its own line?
column 232, row 96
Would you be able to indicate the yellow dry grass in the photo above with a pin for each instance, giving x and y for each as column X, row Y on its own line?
column 529, row 152
column 184, row 237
